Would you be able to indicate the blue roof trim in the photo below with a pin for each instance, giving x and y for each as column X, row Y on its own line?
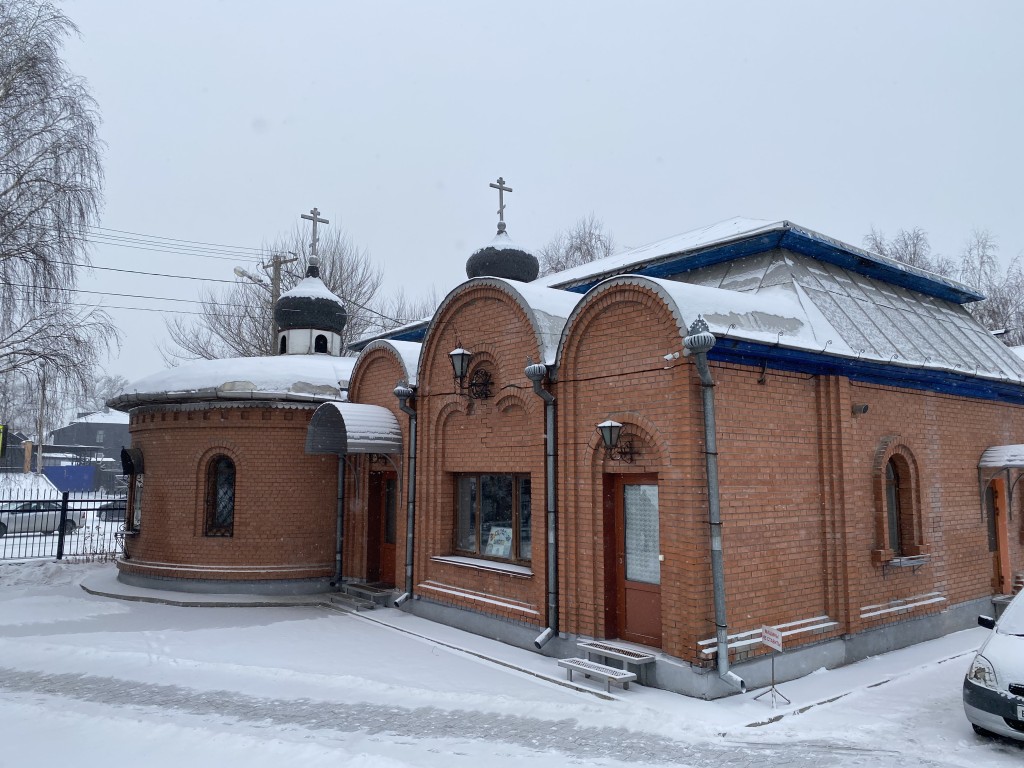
column 410, row 334
column 799, row 242
column 816, row 248
column 868, row 371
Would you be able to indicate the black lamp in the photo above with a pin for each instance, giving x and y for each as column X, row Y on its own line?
column 460, row 363
column 611, row 431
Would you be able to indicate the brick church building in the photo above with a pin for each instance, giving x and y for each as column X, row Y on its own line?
column 751, row 424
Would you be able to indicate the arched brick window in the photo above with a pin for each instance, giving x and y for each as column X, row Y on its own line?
column 284, row 346
column 899, row 517
column 220, row 496
column 320, row 344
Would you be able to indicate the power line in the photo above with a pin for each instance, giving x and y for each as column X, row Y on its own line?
column 176, row 239
column 142, row 272
column 161, row 274
column 178, row 251
column 175, row 311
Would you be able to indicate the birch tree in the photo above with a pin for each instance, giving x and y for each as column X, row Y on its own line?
column 50, row 192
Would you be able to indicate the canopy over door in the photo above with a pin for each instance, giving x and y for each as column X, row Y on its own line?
column 997, row 460
column 344, row 428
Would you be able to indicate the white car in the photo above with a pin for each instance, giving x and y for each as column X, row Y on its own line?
column 37, row 517
column 994, row 686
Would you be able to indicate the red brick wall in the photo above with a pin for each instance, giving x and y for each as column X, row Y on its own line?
column 799, row 477
column 503, row 434
column 373, row 381
column 284, row 499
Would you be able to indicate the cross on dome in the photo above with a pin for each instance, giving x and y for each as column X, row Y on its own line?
column 502, row 189
column 315, row 218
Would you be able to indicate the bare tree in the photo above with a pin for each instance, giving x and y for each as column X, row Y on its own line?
column 1002, row 310
column 50, row 191
column 236, row 322
column 94, row 397
column 911, row 247
column 582, row 243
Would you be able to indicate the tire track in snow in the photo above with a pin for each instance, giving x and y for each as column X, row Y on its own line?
column 564, row 736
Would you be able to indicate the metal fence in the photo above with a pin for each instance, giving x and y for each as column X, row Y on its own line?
column 78, row 526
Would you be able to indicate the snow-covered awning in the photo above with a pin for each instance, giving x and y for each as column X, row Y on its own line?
column 995, row 461
column 1002, row 457
column 344, row 428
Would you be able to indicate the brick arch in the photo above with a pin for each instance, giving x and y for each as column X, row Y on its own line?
column 911, row 499
column 510, row 399
column 647, row 438
column 604, row 297
column 368, row 359
column 445, row 328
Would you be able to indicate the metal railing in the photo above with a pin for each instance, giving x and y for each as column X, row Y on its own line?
column 76, row 526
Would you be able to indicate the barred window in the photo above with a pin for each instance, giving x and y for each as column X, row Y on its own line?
column 220, row 496
column 894, row 517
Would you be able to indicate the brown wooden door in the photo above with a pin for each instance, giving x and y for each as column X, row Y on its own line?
column 998, row 537
column 638, row 559
column 381, row 527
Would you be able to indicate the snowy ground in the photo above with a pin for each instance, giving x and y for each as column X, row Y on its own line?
column 92, row 681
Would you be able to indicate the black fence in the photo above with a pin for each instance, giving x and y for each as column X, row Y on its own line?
column 74, row 526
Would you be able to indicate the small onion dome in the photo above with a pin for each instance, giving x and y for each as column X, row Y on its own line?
column 503, row 258
column 310, row 305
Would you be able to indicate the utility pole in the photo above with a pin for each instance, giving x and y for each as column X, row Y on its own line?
column 40, row 423
column 274, row 267
column 275, row 291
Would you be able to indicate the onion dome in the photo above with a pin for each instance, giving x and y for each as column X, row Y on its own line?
column 310, row 304
column 503, row 258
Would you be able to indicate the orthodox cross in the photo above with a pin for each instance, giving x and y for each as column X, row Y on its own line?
column 315, row 218
column 502, row 189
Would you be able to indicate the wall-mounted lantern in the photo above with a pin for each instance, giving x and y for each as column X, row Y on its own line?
column 460, row 364
column 615, row 448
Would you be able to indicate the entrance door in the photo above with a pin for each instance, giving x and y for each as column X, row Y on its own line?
column 638, row 559
column 998, row 536
column 381, row 528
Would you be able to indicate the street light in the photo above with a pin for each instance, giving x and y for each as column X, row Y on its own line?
column 239, row 272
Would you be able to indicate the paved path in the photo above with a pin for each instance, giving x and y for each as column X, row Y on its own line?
column 577, row 743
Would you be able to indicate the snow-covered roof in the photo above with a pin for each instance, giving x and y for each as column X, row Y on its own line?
column 284, row 377
column 108, row 416
column 1018, row 351
column 311, row 287
column 791, row 302
column 15, row 485
column 628, row 259
column 738, row 237
column 769, row 317
column 864, row 317
column 407, row 352
column 547, row 308
column 344, row 428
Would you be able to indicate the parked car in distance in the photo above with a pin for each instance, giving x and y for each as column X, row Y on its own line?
column 37, row 517
column 112, row 511
column 994, row 685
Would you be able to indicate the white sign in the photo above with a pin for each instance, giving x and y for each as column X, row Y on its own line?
column 771, row 637
column 499, row 542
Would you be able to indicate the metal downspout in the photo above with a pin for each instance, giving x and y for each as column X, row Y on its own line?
column 698, row 341
column 340, row 531
column 405, row 393
column 536, row 373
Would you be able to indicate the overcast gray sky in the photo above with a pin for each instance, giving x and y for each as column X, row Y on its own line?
column 225, row 121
